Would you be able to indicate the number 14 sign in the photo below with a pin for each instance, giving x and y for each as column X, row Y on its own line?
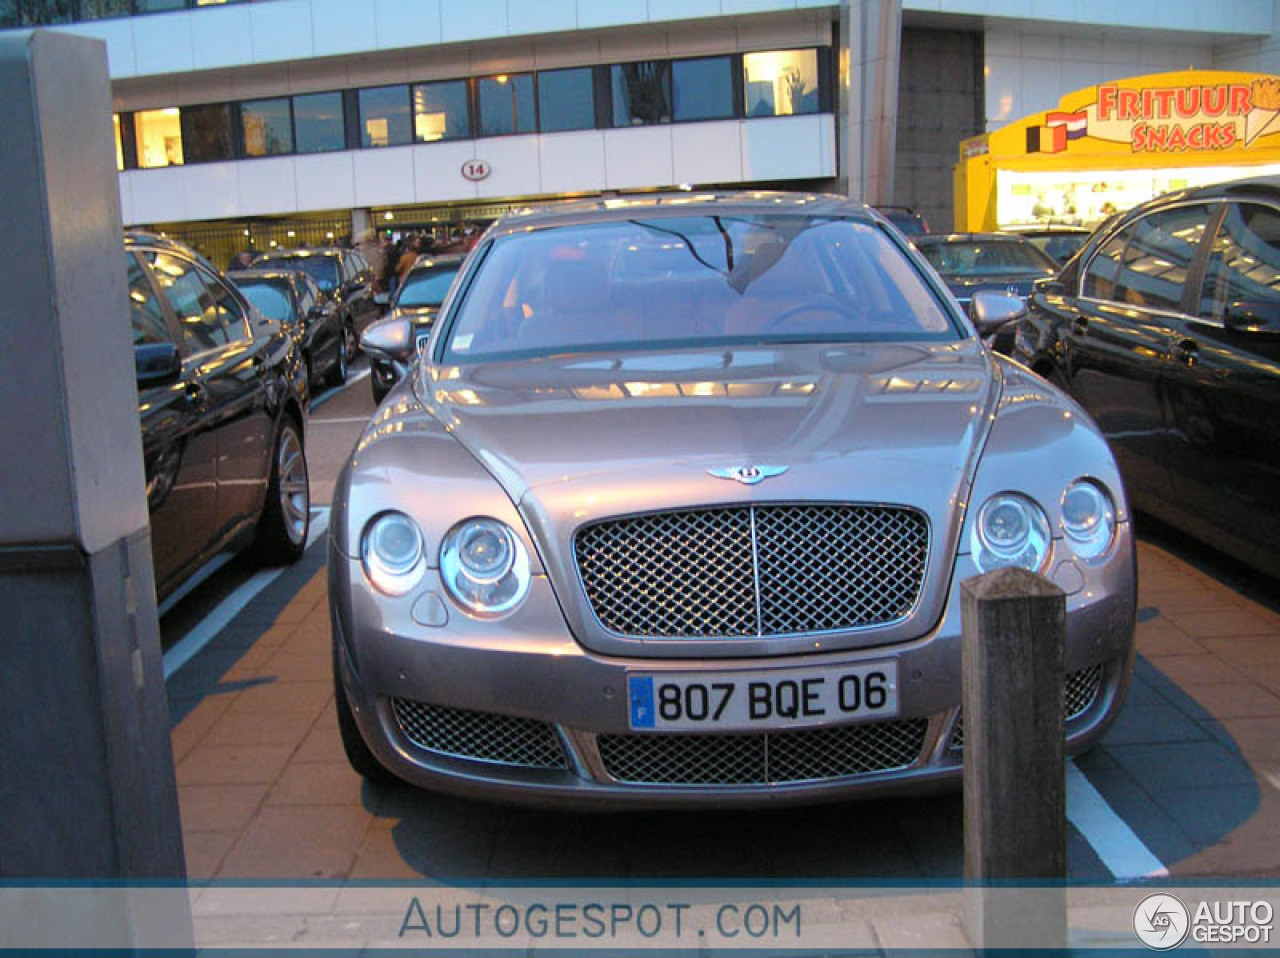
column 476, row 170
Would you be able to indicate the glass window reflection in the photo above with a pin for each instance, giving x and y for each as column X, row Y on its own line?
column 566, row 100
column 702, row 89
column 384, row 116
column 206, row 133
column 318, row 123
column 506, row 104
column 1244, row 263
column 440, row 111
column 268, row 130
column 641, row 93
column 781, row 82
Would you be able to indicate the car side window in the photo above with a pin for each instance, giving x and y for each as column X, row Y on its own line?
column 145, row 312
column 1244, row 261
column 234, row 319
column 204, row 326
column 305, row 293
column 1100, row 276
column 1153, row 270
column 348, row 269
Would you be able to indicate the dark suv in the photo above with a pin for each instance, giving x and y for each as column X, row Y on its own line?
column 1166, row 328
column 343, row 275
column 221, row 394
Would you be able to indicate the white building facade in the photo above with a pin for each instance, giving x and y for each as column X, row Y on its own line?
column 337, row 115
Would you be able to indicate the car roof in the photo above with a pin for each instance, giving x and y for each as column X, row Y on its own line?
column 270, row 273
column 302, row 251
column 431, row 260
column 696, row 203
column 937, row 239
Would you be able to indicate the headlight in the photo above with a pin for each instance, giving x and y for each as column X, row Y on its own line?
column 484, row 566
column 391, row 552
column 1088, row 518
column 1010, row 530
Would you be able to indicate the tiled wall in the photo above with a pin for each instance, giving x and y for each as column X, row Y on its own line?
column 729, row 151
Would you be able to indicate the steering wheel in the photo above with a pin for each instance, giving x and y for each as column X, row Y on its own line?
column 828, row 304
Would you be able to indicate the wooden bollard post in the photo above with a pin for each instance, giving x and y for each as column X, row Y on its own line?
column 1014, row 778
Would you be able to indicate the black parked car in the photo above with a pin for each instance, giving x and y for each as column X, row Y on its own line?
column 221, row 399
column 1166, row 328
column 905, row 218
column 343, row 275
column 292, row 297
column 418, row 298
column 968, row 262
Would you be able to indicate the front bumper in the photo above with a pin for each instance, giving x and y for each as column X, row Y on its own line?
column 518, row 711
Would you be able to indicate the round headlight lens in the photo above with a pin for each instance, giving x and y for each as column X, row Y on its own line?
column 1011, row 530
column 391, row 553
column 1088, row 519
column 485, row 567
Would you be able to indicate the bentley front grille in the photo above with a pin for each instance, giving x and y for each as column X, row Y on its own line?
column 754, row 571
column 761, row 758
column 479, row 736
column 1080, row 691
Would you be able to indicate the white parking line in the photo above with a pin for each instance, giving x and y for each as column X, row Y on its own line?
column 207, row 628
column 1112, row 839
column 319, row 400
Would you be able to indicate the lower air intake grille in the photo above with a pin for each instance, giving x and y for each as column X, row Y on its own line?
column 1080, row 691
column 480, row 736
column 759, row 758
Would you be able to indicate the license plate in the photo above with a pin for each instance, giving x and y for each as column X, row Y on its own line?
column 763, row 699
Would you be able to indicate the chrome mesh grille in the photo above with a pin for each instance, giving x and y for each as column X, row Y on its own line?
column 480, row 736
column 760, row 758
column 753, row 570
column 1080, row 691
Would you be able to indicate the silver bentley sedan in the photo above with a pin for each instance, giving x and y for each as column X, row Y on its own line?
column 674, row 504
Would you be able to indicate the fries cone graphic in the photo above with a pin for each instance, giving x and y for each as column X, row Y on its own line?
column 1264, row 95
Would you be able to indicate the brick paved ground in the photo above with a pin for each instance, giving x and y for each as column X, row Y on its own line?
column 1193, row 766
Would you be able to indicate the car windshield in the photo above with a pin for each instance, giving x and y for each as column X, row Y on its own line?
column 323, row 269
column 426, row 287
column 987, row 257
column 270, row 296
column 694, row 280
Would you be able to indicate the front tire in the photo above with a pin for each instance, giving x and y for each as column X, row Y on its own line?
column 337, row 374
column 286, row 514
column 350, row 341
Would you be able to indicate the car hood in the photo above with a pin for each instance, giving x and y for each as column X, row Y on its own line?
column 577, row 439
column 555, row 421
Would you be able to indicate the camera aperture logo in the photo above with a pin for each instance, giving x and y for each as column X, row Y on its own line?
column 1161, row 922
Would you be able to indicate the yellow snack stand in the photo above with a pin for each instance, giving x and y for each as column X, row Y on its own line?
column 1109, row 147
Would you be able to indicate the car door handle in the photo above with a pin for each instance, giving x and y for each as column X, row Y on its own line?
column 195, row 393
column 1080, row 326
column 1185, row 352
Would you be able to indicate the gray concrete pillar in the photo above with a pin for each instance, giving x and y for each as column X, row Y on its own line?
column 87, row 781
column 867, row 97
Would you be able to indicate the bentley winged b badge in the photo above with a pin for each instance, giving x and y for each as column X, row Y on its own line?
column 748, row 475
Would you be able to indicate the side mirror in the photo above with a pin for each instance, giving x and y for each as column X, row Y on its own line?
column 157, row 364
column 1252, row 317
column 990, row 310
column 316, row 312
column 389, row 339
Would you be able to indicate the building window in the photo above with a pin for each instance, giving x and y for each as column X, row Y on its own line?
column 318, row 124
column 641, row 93
column 566, row 100
column 506, row 104
column 440, row 111
column 702, row 89
column 268, row 130
column 206, row 133
column 34, row 13
column 159, row 137
column 103, row 9
column 158, row 6
column 115, row 123
column 781, row 82
column 384, row 116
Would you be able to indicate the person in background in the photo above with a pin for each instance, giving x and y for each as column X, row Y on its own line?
column 241, row 260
